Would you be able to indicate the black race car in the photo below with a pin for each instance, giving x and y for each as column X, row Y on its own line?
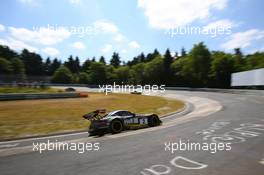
column 117, row 121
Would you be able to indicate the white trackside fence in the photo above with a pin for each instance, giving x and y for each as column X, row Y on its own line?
column 248, row 78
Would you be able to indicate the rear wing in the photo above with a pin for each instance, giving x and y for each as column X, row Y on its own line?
column 95, row 115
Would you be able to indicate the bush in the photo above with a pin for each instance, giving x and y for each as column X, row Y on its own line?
column 84, row 78
column 62, row 75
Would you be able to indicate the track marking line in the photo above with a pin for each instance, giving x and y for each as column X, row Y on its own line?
column 9, row 145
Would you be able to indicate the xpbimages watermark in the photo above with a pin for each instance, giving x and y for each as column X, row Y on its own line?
column 124, row 88
column 77, row 30
column 79, row 147
column 196, row 146
column 197, row 30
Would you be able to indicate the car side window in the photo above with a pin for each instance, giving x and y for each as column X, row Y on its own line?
column 127, row 113
column 123, row 113
column 119, row 113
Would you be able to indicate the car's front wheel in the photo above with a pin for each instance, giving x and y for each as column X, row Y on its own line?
column 116, row 126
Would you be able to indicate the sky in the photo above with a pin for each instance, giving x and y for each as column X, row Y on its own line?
column 87, row 28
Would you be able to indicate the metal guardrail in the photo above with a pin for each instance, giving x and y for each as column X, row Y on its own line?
column 232, row 91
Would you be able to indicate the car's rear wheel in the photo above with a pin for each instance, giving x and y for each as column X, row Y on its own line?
column 154, row 121
column 116, row 126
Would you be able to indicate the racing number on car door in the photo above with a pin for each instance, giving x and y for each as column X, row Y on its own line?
column 143, row 121
column 131, row 121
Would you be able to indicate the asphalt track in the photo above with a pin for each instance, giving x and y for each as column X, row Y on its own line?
column 210, row 117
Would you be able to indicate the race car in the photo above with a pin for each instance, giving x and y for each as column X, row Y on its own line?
column 119, row 120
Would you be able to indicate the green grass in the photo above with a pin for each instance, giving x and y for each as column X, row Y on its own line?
column 27, row 90
column 34, row 117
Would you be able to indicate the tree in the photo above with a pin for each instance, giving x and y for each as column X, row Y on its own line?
column 18, row 67
column 238, row 60
column 176, row 55
column 110, row 74
column 86, row 65
column 200, row 61
column 137, row 74
column 133, row 62
column 221, row 69
column 98, row 73
column 122, row 74
column 115, row 61
column 54, row 66
column 73, row 64
column 149, row 57
column 69, row 63
column 183, row 52
column 138, row 59
column 156, row 53
column 102, row 60
column 77, row 65
column 47, row 65
column 168, row 59
column 153, row 55
column 198, row 68
column 5, row 66
column 142, row 57
column 182, row 72
column 84, row 78
column 154, row 71
column 255, row 61
column 7, row 53
column 33, row 63
column 62, row 75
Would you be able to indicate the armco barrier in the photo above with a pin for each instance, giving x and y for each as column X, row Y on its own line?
column 232, row 91
column 26, row 96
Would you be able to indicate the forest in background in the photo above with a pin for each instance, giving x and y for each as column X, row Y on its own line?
column 199, row 67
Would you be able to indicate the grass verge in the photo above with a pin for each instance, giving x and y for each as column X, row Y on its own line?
column 34, row 117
